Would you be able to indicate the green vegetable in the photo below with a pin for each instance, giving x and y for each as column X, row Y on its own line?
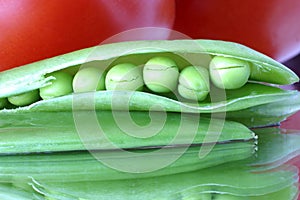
column 57, row 131
column 161, row 74
column 182, row 52
column 229, row 73
column 60, row 85
column 176, row 154
column 125, row 76
column 89, row 79
column 24, row 99
column 65, row 175
column 116, row 165
column 267, row 114
column 250, row 105
column 194, row 83
column 31, row 77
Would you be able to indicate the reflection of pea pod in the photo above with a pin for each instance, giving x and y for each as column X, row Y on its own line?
column 82, row 166
column 276, row 147
column 77, row 175
column 229, row 181
column 185, row 53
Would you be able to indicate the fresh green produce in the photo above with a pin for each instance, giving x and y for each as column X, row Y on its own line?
column 124, row 76
column 183, row 53
column 83, row 166
column 59, row 86
column 229, row 73
column 89, row 79
column 143, row 104
column 24, row 99
column 67, row 166
column 161, row 74
column 194, row 83
column 57, row 131
column 78, row 175
column 263, row 69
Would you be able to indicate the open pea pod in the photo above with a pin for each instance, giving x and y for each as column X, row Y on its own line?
column 184, row 52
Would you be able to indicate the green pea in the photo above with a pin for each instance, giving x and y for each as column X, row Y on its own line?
column 61, row 85
column 24, row 99
column 72, row 70
column 161, row 74
column 89, row 79
column 125, row 76
column 229, row 73
column 3, row 102
column 194, row 83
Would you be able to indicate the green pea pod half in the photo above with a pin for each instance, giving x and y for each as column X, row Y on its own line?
column 259, row 89
column 115, row 165
column 229, row 181
column 76, row 166
column 58, row 131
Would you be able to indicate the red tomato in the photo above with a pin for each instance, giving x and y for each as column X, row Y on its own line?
column 32, row 30
column 271, row 27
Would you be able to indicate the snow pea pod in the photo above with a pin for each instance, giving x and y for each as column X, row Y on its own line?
column 183, row 52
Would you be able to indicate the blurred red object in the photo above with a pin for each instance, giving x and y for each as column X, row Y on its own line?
column 33, row 30
column 271, row 27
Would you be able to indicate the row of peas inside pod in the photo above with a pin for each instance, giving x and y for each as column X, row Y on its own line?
column 159, row 74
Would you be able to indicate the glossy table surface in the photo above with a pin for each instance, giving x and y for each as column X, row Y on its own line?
column 293, row 122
